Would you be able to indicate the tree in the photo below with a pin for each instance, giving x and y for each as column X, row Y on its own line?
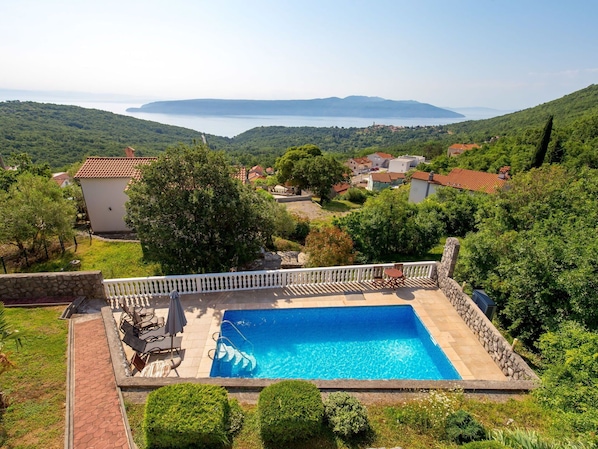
column 306, row 168
column 33, row 211
column 192, row 216
column 329, row 246
column 388, row 226
column 542, row 147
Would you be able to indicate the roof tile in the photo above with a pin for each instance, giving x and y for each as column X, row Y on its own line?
column 112, row 167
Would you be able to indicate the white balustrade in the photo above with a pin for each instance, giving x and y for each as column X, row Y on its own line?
column 136, row 289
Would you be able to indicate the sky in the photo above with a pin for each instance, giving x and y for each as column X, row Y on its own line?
column 501, row 54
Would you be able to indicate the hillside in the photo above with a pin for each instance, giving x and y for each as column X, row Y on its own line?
column 354, row 106
column 566, row 111
column 62, row 135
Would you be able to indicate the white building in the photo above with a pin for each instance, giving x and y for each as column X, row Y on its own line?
column 405, row 163
column 104, row 181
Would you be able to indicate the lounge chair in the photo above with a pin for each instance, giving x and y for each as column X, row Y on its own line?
column 145, row 334
column 146, row 348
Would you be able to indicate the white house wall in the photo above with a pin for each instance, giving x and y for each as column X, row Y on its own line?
column 419, row 190
column 105, row 200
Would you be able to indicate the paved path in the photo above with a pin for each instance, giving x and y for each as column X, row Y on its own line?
column 98, row 421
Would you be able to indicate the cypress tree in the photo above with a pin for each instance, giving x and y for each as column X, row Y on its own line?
column 557, row 153
column 542, row 148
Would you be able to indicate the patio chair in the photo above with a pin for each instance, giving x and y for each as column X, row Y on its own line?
column 142, row 324
column 146, row 348
column 145, row 334
column 144, row 312
column 400, row 280
column 378, row 277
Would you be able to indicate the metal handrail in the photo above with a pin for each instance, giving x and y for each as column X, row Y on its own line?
column 245, row 340
column 223, row 339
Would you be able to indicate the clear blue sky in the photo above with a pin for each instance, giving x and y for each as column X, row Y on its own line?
column 503, row 54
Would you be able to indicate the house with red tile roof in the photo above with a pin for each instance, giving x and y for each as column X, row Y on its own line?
column 104, row 181
column 62, row 179
column 460, row 148
column 379, row 181
column 380, row 160
column 424, row 184
column 359, row 165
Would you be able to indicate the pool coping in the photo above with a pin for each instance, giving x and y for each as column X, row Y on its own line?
column 128, row 383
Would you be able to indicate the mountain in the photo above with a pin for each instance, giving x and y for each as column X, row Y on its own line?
column 353, row 106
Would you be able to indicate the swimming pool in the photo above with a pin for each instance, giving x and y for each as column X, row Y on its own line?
column 366, row 342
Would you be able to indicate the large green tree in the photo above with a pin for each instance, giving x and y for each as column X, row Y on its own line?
column 307, row 168
column 193, row 216
column 34, row 211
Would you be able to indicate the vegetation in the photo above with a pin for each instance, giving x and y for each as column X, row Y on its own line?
column 35, row 389
column 187, row 416
column 192, row 216
column 346, row 415
column 389, row 227
column 33, row 211
column 289, row 411
column 535, row 252
column 307, row 168
column 329, row 246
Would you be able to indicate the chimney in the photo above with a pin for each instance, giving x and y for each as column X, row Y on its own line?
column 431, row 176
column 130, row 152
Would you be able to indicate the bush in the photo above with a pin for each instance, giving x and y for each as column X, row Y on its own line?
column 281, row 244
column 186, row 416
column 345, row 414
column 236, row 417
column 355, row 195
column 461, row 428
column 290, row 410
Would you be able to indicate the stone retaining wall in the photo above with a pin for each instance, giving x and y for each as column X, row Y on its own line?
column 500, row 350
column 61, row 284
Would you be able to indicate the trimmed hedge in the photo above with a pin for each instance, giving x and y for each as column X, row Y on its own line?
column 290, row 410
column 187, row 416
column 345, row 414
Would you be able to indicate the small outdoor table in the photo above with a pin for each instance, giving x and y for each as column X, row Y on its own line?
column 395, row 277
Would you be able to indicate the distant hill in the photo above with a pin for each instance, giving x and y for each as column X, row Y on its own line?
column 354, row 106
column 62, row 135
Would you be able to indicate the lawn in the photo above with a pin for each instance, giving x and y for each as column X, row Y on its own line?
column 113, row 259
column 36, row 387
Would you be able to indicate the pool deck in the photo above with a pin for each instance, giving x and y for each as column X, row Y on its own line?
column 204, row 313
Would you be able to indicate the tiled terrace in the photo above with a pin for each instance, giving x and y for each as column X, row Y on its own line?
column 204, row 312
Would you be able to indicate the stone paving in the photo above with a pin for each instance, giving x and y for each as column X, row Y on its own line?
column 98, row 422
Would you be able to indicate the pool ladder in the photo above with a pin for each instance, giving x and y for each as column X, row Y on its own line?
column 227, row 351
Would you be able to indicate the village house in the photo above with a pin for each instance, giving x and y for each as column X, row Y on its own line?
column 460, row 148
column 405, row 163
column 62, row 179
column 359, row 165
column 380, row 160
column 379, row 181
column 104, row 181
column 424, row 184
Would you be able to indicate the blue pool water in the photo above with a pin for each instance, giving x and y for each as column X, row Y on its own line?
column 367, row 342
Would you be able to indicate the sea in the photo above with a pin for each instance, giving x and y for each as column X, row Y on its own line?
column 231, row 126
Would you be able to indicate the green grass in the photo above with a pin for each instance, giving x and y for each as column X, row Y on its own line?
column 113, row 259
column 340, row 206
column 36, row 387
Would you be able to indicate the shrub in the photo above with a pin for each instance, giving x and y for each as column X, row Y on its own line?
column 355, row 195
column 345, row 414
column 281, row 244
column 461, row 428
column 236, row 417
column 186, row 416
column 290, row 410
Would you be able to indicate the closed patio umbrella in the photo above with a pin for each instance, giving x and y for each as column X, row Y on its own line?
column 176, row 321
